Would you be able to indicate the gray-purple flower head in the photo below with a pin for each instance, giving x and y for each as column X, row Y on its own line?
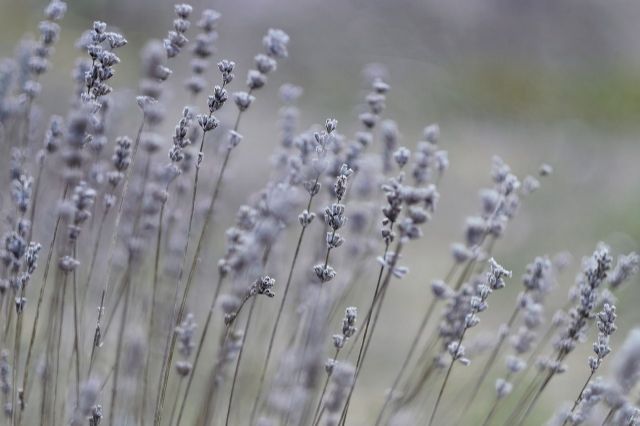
column 275, row 43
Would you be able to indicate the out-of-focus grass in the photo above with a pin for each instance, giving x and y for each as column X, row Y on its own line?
column 605, row 98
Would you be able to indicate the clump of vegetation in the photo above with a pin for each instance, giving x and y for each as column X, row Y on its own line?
column 105, row 258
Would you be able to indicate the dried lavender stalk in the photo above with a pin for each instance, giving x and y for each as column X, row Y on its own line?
column 594, row 273
column 477, row 304
column 305, row 218
column 145, row 333
column 275, row 43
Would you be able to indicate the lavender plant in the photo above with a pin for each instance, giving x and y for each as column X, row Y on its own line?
column 124, row 300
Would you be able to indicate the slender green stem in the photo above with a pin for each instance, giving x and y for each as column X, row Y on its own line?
column 537, row 351
column 59, row 346
column 529, row 406
column 274, row 329
column 53, row 326
column 76, row 332
column 174, row 406
column 16, row 356
column 317, row 413
column 176, row 316
column 413, row 392
column 210, row 399
column 237, row 367
column 405, row 363
column 178, row 313
column 380, row 294
column 423, row 359
column 34, row 204
column 484, row 371
column 34, row 327
column 203, row 337
column 9, row 320
column 535, row 398
column 374, row 301
column 579, row 398
column 609, row 416
column 97, row 340
column 524, row 399
column 123, row 322
column 156, row 279
column 492, row 412
column 94, row 257
column 24, row 141
column 446, row 379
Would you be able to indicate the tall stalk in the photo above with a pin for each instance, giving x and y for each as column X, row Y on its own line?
column 494, row 405
column 97, row 339
column 317, row 415
column 154, row 293
column 76, row 332
column 94, row 256
column 382, row 288
column 16, row 348
column 36, row 191
column 177, row 314
column 58, row 346
column 407, row 359
column 486, row 368
column 34, row 327
column 446, row 379
column 265, row 258
column 580, row 397
column 234, row 381
column 274, row 329
column 203, row 337
column 123, row 321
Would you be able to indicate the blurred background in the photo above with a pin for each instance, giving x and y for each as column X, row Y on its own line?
column 545, row 81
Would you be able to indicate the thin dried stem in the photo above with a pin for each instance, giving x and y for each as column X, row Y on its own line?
column 34, row 328
column 177, row 314
column 199, row 348
column 125, row 189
